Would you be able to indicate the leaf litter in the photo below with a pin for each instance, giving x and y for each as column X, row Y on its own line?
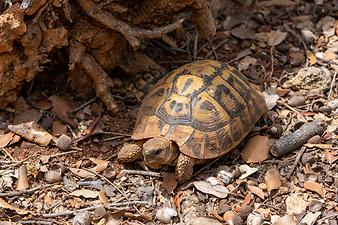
column 275, row 190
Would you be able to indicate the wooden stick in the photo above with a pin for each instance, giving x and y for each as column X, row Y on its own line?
column 291, row 142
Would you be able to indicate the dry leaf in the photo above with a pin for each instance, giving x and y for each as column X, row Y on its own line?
column 295, row 204
column 86, row 193
column 256, row 149
column 272, row 179
column 81, row 173
column 314, row 186
column 279, row 3
column 32, row 131
column 16, row 138
column 47, row 200
column 246, row 62
column 5, row 139
column 103, row 198
column 169, row 182
column 61, row 107
column 311, row 57
column 206, row 187
column 178, row 198
column 246, row 171
column 276, row 37
column 59, row 128
column 256, row 190
column 331, row 157
column 6, row 205
column 270, row 99
column 22, row 183
column 27, row 116
column 101, row 164
column 243, row 32
column 43, row 104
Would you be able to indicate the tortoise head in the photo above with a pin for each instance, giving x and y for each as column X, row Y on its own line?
column 159, row 151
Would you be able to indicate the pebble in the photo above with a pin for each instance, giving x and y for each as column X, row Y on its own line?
column 307, row 157
column 225, row 176
column 223, row 207
column 53, row 176
column 245, row 212
column 314, row 140
column 165, row 214
column 296, row 58
column 315, row 206
column 254, row 218
column 297, row 100
column 325, row 109
column 204, row 221
column 232, row 218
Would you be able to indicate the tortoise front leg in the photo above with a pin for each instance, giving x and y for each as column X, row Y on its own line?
column 184, row 168
column 130, row 152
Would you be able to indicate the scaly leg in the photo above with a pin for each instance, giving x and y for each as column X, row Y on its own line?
column 130, row 152
column 184, row 168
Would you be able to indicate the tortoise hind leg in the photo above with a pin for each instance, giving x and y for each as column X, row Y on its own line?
column 130, row 152
column 184, row 168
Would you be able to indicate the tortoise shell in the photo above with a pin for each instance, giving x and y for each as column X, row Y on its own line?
column 206, row 107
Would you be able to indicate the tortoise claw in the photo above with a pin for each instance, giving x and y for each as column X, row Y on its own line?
column 130, row 153
column 184, row 168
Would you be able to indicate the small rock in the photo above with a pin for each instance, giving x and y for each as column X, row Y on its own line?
column 296, row 58
column 232, row 218
column 325, row 109
column 82, row 218
column 308, row 36
column 245, row 212
column 274, row 219
column 254, row 218
column 286, row 220
column 297, row 101
column 53, row 176
column 314, row 140
column 315, row 206
column 295, row 204
column 165, row 214
column 225, row 176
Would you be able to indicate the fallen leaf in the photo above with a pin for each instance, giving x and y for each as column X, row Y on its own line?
column 256, row 149
column 331, row 157
column 246, row 62
column 6, row 205
column 59, row 128
column 103, row 198
column 256, row 190
column 310, row 218
column 5, row 139
column 246, row 171
column 27, row 116
column 272, row 179
column 16, row 138
column 322, row 146
column 32, row 131
column 243, row 32
column 86, row 193
column 169, row 182
column 311, row 57
column 328, row 26
column 81, row 173
column 22, row 183
column 178, row 198
column 276, row 37
column 270, row 99
column 101, row 164
column 60, row 108
column 314, row 186
column 43, row 104
column 206, row 187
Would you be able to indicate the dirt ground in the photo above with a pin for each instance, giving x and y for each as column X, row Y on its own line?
column 59, row 144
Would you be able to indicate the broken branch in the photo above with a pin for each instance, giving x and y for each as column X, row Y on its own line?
column 292, row 141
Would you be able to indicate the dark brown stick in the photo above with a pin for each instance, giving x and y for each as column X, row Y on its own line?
column 291, row 142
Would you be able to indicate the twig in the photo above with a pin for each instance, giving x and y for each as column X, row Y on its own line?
column 332, row 85
column 23, row 192
column 288, row 29
column 8, row 154
column 111, row 205
column 327, row 217
column 212, row 48
column 294, row 166
column 63, row 153
column 272, row 59
column 195, row 45
column 83, row 105
column 292, row 141
column 288, row 106
column 100, row 132
column 141, row 172
column 204, row 167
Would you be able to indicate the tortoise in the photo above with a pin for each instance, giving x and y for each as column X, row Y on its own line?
column 197, row 112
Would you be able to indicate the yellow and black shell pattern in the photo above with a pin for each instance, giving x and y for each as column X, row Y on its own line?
column 206, row 107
